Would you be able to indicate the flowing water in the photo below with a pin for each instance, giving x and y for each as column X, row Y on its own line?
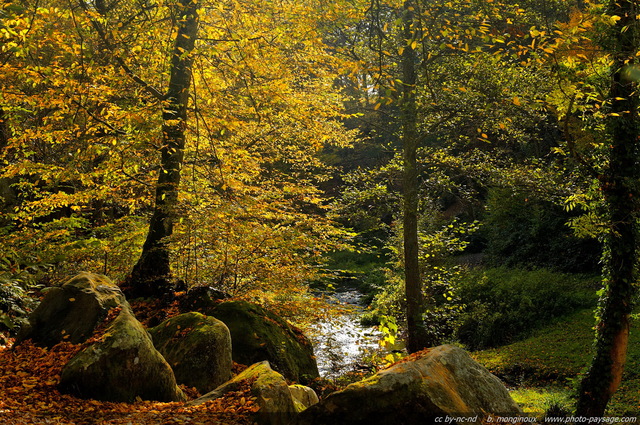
column 341, row 344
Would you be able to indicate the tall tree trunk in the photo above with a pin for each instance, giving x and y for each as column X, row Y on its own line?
column 417, row 337
column 7, row 193
column 151, row 276
column 618, row 186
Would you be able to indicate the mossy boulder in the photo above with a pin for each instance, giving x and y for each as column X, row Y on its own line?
column 72, row 311
column 198, row 349
column 259, row 334
column 268, row 387
column 443, row 381
column 122, row 365
column 303, row 397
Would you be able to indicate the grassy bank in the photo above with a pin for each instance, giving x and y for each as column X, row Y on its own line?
column 543, row 370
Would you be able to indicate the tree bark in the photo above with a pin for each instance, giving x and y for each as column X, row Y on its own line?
column 5, row 133
column 416, row 333
column 618, row 186
column 151, row 276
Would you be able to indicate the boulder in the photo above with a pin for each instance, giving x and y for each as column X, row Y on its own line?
column 442, row 381
column 259, row 334
column 303, row 397
column 198, row 349
column 72, row 311
column 268, row 387
column 122, row 365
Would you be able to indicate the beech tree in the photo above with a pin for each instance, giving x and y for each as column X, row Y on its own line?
column 151, row 276
column 152, row 273
column 97, row 141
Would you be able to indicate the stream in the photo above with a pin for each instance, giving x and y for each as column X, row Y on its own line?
column 341, row 344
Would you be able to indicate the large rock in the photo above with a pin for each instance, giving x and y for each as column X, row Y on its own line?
column 270, row 389
column 258, row 335
column 198, row 349
column 72, row 311
column 444, row 381
column 122, row 365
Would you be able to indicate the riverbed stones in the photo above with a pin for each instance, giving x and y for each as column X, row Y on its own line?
column 122, row 365
column 198, row 349
column 276, row 405
column 442, row 381
column 259, row 334
column 72, row 311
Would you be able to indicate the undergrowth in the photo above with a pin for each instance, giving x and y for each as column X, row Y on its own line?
column 545, row 368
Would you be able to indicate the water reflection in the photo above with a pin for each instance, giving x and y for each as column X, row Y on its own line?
column 341, row 344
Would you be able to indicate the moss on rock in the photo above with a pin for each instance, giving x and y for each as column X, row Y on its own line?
column 434, row 383
column 197, row 347
column 122, row 366
column 303, row 397
column 270, row 389
column 72, row 311
column 259, row 334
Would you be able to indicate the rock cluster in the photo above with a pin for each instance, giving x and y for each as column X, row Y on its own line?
column 122, row 361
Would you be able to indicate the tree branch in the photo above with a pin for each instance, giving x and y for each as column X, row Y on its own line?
column 121, row 63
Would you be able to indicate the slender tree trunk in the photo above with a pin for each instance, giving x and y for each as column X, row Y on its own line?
column 5, row 133
column 151, row 276
column 417, row 338
column 619, row 189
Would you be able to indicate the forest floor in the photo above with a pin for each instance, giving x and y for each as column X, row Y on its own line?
column 28, row 395
column 543, row 371
column 29, row 378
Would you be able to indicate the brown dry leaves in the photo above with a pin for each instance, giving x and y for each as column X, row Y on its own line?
column 28, row 395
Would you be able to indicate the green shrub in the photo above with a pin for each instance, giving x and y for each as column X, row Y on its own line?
column 439, row 240
column 19, row 281
column 524, row 231
column 503, row 305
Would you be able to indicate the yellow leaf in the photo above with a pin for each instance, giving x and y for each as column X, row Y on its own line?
column 516, row 101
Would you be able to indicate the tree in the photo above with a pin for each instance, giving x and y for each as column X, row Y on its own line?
column 417, row 337
column 459, row 82
column 85, row 129
column 619, row 187
column 151, row 276
column 78, row 146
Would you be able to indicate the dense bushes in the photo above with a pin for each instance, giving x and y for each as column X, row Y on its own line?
column 502, row 305
column 523, row 231
column 17, row 284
